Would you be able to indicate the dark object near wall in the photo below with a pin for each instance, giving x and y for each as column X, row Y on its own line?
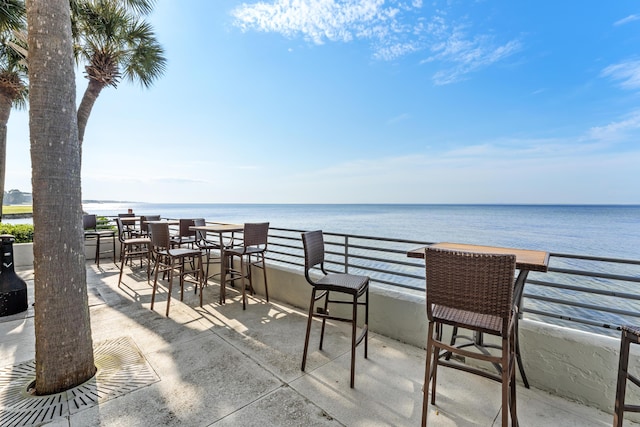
column 13, row 290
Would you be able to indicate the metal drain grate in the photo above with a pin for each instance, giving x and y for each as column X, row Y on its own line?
column 121, row 369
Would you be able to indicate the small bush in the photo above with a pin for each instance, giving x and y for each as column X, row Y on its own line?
column 22, row 232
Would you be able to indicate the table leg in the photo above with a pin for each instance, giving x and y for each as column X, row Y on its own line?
column 223, row 270
column 517, row 298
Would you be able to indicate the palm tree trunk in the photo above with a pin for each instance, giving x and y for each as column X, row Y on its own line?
column 84, row 110
column 64, row 349
column 5, row 110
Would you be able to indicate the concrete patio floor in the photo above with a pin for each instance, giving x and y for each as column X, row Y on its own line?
column 222, row 366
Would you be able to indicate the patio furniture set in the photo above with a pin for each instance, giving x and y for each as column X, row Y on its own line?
column 469, row 287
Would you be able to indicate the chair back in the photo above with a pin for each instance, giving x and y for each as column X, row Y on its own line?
column 144, row 227
column 184, row 228
column 256, row 234
column 122, row 230
column 89, row 222
column 201, row 236
column 159, row 234
column 474, row 282
column 126, row 215
column 313, row 243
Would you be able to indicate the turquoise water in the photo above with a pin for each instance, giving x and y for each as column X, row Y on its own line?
column 600, row 230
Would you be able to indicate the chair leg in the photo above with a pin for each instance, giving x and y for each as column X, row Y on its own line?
column 97, row 260
column 264, row 274
column 122, row 258
column 306, row 337
column 354, row 321
column 244, row 291
column 623, row 365
column 366, row 323
column 434, row 370
column 155, row 281
column 200, row 277
column 506, row 375
column 427, row 376
column 113, row 243
column 324, row 319
column 170, row 287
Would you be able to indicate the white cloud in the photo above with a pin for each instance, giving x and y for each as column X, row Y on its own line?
column 628, row 73
column 626, row 20
column 394, row 28
column 617, row 130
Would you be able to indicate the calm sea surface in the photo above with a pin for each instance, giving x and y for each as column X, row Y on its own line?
column 600, row 230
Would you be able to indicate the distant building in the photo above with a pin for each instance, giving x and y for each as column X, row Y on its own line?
column 16, row 197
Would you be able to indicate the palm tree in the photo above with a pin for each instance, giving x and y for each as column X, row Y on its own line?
column 64, row 348
column 115, row 43
column 13, row 90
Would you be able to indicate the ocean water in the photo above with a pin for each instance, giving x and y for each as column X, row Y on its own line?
column 592, row 230
column 599, row 230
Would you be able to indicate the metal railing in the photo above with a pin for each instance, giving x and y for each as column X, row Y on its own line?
column 596, row 294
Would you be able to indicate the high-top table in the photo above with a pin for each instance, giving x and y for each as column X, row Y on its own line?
column 526, row 260
column 220, row 229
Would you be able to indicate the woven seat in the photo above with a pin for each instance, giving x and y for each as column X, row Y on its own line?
column 132, row 248
column 630, row 335
column 353, row 285
column 91, row 232
column 173, row 261
column 472, row 291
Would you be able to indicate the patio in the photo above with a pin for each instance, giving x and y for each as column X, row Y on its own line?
column 222, row 366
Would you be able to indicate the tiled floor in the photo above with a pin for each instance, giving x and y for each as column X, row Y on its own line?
column 222, row 366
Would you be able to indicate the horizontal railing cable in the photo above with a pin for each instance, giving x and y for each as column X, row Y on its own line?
column 592, row 293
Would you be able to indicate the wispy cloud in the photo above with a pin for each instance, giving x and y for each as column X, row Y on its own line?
column 394, row 28
column 627, row 73
column 618, row 130
column 626, row 20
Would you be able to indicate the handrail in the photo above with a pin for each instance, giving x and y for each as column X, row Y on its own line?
column 597, row 294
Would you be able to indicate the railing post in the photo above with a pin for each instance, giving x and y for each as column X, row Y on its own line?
column 346, row 254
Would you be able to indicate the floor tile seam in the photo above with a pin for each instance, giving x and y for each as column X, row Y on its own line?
column 270, row 392
column 292, row 386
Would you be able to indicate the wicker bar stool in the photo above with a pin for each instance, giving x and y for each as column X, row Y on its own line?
column 630, row 335
column 473, row 291
column 350, row 285
column 91, row 232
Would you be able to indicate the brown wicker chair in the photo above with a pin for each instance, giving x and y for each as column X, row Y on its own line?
column 254, row 243
column 353, row 285
column 208, row 246
column 91, row 232
column 630, row 335
column 132, row 248
column 185, row 236
column 144, row 225
column 472, row 291
column 170, row 260
column 129, row 225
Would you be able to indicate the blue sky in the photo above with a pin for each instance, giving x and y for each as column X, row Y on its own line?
column 372, row 101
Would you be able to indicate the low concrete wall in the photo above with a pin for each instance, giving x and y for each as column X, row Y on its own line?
column 23, row 252
column 577, row 365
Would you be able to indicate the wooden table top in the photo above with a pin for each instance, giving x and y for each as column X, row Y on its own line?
column 526, row 259
column 218, row 228
column 164, row 221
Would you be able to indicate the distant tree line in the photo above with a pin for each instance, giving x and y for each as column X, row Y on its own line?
column 16, row 197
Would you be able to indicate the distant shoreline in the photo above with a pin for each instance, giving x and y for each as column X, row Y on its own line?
column 17, row 215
